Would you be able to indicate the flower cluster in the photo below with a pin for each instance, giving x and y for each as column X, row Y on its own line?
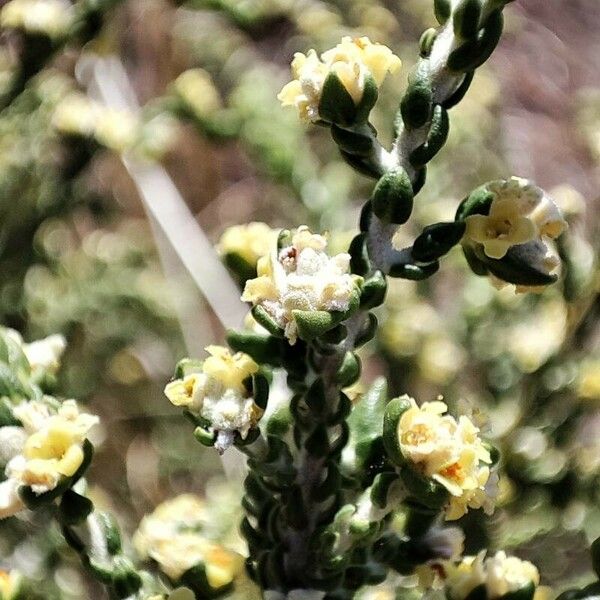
column 172, row 537
column 48, row 17
column 219, row 394
column 448, row 451
column 352, row 60
column 43, row 452
column 498, row 575
column 301, row 277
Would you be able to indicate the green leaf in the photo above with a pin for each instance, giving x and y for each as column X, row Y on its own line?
column 426, row 42
column 460, row 92
column 313, row 323
column 359, row 256
column 436, row 138
column 264, row 349
column 205, row 437
column 477, row 593
column 436, row 240
column 417, row 103
column 525, row 593
column 366, row 418
column 465, row 18
column 241, row 267
column 413, row 272
column 368, row 100
column 260, row 390
column 393, row 411
column 595, row 552
column 424, row 491
column 112, row 534
column 264, row 318
column 336, row 104
column 74, row 508
column 478, row 202
column 443, row 10
column 373, row 291
column 520, row 265
column 126, row 582
column 392, row 198
column 475, row 52
column 349, row 370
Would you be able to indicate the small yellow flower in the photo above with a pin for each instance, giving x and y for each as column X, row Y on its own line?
column 116, row 129
column 500, row 574
column 76, row 114
column 172, row 536
column 196, row 88
column 250, row 242
column 520, row 212
column 51, row 449
column 186, row 392
column 301, row 277
column 352, row 60
column 54, row 451
column 448, row 451
column 588, row 382
column 218, row 394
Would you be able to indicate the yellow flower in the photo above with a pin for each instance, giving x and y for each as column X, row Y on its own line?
column 588, row 382
column 250, row 242
column 230, row 370
column 76, row 114
column 51, row 449
column 448, row 451
column 301, row 277
column 500, row 574
column 10, row 584
column 172, row 536
column 352, row 61
column 218, row 394
column 196, row 88
column 520, row 212
column 116, row 129
column 49, row 17
column 54, row 451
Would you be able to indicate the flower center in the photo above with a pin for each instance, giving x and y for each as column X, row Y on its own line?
column 419, row 434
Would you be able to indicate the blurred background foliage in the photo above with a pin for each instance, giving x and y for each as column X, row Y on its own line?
column 78, row 255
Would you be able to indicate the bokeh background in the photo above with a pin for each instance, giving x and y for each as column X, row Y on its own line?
column 96, row 243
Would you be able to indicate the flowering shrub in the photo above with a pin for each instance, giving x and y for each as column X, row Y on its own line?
column 347, row 488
